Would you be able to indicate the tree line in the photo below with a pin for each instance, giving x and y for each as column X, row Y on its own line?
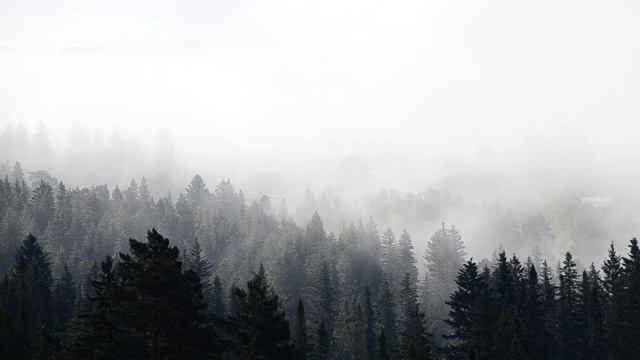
column 245, row 281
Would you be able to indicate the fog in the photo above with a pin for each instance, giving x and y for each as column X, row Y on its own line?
column 509, row 106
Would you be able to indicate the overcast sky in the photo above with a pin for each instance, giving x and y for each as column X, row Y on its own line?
column 298, row 78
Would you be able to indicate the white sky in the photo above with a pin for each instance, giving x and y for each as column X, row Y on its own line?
column 300, row 78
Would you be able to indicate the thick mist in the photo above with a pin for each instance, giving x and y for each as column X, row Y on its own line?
column 412, row 113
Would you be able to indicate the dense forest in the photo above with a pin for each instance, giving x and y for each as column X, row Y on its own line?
column 99, row 273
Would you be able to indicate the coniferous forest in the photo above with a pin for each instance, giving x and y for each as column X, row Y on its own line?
column 100, row 273
column 319, row 180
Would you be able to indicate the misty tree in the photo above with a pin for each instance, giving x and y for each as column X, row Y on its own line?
column 413, row 338
column 388, row 253
column 406, row 257
column 569, row 311
column 445, row 256
column 196, row 193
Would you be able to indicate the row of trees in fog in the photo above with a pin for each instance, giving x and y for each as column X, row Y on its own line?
column 486, row 212
column 82, row 160
column 238, row 281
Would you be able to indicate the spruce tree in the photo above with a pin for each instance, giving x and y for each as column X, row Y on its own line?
column 321, row 297
column 149, row 306
column 569, row 310
column 413, row 339
column 29, row 297
column 197, row 261
column 382, row 348
column 445, row 256
column 322, row 343
column 370, row 325
column 611, row 269
column 260, row 328
column 406, row 257
column 462, row 303
column 385, row 312
column 217, row 294
column 64, row 295
column 301, row 337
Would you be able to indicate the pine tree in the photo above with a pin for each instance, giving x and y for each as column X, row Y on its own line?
column 29, row 298
column 301, row 337
column 260, row 328
column 322, row 343
column 42, row 207
column 569, row 317
column 196, row 193
column 533, row 316
column 370, row 325
column 445, row 256
column 612, row 269
column 385, row 312
column 596, row 332
column 628, row 301
column 413, row 339
column 149, row 307
column 345, row 332
column 197, row 261
column 462, row 303
column 389, row 253
column 321, row 297
column 217, row 305
column 382, row 348
column 406, row 257
column 64, row 295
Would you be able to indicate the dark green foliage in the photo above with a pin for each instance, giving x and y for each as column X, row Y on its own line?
column 197, row 261
column 64, row 297
column 445, row 256
column 217, row 306
column 260, row 328
column 322, row 343
column 382, row 348
column 28, row 298
column 321, row 297
column 385, row 313
column 301, row 336
column 349, row 334
column 569, row 310
column 157, row 316
column 196, row 193
column 462, row 303
column 406, row 257
column 13, row 343
column 370, row 324
column 149, row 305
column 413, row 339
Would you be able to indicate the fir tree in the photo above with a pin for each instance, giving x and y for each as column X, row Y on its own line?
column 322, row 343
column 301, row 337
column 321, row 297
column 29, row 296
column 64, row 295
column 260, row 327
column 217, row 304
column 569, row 317
column 462, row 303
column 413, row 339
column 385, row 312
column 370, row 324
column 382, row 348
column 197, row 261
column 157, row 316
column 445, row 256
